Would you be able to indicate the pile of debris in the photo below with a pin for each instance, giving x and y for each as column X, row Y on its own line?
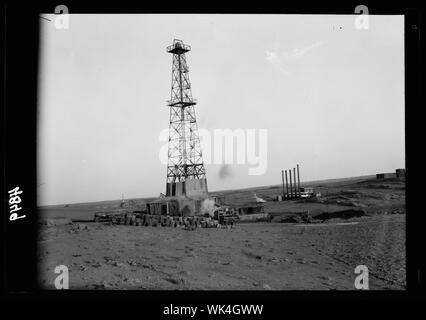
column 145, row 219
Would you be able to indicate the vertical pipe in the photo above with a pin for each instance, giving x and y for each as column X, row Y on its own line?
column 286, row 184
column 295, row 183
column 298, row 180
column 282, row 174
column 291, row 186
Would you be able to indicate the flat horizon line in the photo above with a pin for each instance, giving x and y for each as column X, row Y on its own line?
column 217, row 191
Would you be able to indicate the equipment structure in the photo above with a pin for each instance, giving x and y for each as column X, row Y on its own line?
column 186, row 175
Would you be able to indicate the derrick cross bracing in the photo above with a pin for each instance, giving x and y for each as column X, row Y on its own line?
column 185, row 159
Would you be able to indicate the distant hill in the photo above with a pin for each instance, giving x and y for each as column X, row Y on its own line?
column 224, row 191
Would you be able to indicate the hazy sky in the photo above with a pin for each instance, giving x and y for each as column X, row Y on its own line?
column 330, row 96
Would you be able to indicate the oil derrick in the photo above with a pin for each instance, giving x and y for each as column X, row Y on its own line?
column 186, row 175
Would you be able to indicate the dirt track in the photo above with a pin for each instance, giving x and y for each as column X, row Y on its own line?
column 254, row 256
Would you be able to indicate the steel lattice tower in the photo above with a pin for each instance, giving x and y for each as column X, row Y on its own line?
column 185, row 159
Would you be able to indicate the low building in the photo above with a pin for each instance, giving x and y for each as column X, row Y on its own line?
column 182, row 198
column 308, row 190
column 386, row 175
column 193, row 188
column 176, row 206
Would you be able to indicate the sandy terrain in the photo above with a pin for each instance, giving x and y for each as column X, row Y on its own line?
column 253, row 256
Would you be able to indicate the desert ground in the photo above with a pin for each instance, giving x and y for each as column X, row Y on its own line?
column 357, row 221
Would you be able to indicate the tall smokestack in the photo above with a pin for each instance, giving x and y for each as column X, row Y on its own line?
column 291, row 185
column 295, row 182
column 286, row 184
column 298, row 180
column 282, row 174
